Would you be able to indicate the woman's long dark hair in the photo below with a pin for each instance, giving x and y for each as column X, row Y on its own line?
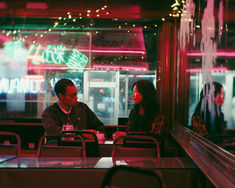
column 207, row 95
column 149, row 104
column 206, row 107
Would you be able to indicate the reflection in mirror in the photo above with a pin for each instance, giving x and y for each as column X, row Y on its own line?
column 208, row 118
column 209, row 47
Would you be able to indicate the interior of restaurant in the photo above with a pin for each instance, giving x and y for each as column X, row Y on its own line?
column 104, row 47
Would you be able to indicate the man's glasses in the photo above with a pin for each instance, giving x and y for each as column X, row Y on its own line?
column 73, row 95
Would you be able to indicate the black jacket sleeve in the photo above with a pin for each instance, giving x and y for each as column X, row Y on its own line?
column 93, row 122
column 50, row 123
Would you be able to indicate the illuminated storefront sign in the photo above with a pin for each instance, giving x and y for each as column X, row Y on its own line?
column 29, row 85
column 52, row 54
column 56, row 54
column 16, row 85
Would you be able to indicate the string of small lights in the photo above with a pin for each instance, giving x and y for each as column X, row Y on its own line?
column 82, row 21
column 86, row 21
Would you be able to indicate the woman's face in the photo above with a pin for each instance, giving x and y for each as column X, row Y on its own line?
column 137, row 97
column 219, row 99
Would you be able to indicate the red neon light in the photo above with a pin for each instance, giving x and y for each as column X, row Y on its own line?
column 36, row 5
column 106, row 51
column 219, row 54
column 220, row 69
column 114, row 51
column 94, row 66
column 47, row 68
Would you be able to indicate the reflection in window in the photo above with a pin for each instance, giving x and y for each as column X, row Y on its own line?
column 103, row 64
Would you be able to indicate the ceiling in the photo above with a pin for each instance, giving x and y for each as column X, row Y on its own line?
column 148, row 9
column 30, row 14
column 145, row 10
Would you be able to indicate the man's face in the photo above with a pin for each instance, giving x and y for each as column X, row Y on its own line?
column 70, row 97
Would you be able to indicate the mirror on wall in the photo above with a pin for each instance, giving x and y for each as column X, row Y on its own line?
column 207, row 36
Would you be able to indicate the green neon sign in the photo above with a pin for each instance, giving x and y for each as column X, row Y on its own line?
column 57, row 54
column 74, row 57
column 52, row 54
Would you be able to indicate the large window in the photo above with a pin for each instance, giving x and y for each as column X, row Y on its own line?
column 103, row 63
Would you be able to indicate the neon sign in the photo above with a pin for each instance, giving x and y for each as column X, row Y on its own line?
column 30, row 84
column 16, row 85
column 75, row 57
column 56, row 54
column 52, row 54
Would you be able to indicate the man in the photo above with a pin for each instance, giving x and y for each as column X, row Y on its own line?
column 68, row 111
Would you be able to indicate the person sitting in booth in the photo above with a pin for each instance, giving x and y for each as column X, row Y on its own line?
column 208, row 118
column 68, row 113
column 145, row 116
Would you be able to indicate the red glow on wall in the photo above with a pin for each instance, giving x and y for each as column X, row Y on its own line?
column 36, row 5
column 4, row 38
column 3, row 5
column 115, row 51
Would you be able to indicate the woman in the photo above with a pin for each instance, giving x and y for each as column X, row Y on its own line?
column 145, row 116
column 208, row 118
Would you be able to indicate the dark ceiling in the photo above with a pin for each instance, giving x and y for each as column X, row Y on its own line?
column 147, row 9
column 120, row 9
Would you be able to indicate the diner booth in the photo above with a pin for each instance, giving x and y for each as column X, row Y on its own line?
column 104, row 47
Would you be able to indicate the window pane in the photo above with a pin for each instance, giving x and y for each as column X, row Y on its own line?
column 103, row 62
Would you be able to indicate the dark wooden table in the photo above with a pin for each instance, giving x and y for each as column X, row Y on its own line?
column 89, row 172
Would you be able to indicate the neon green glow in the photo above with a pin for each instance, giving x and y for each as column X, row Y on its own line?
column 48, row 54
column 31, row 49
column 77, row 60
column 59, row 54
column 13, row 50
column 56, row 54
column 36, row 55
column 53, row 54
